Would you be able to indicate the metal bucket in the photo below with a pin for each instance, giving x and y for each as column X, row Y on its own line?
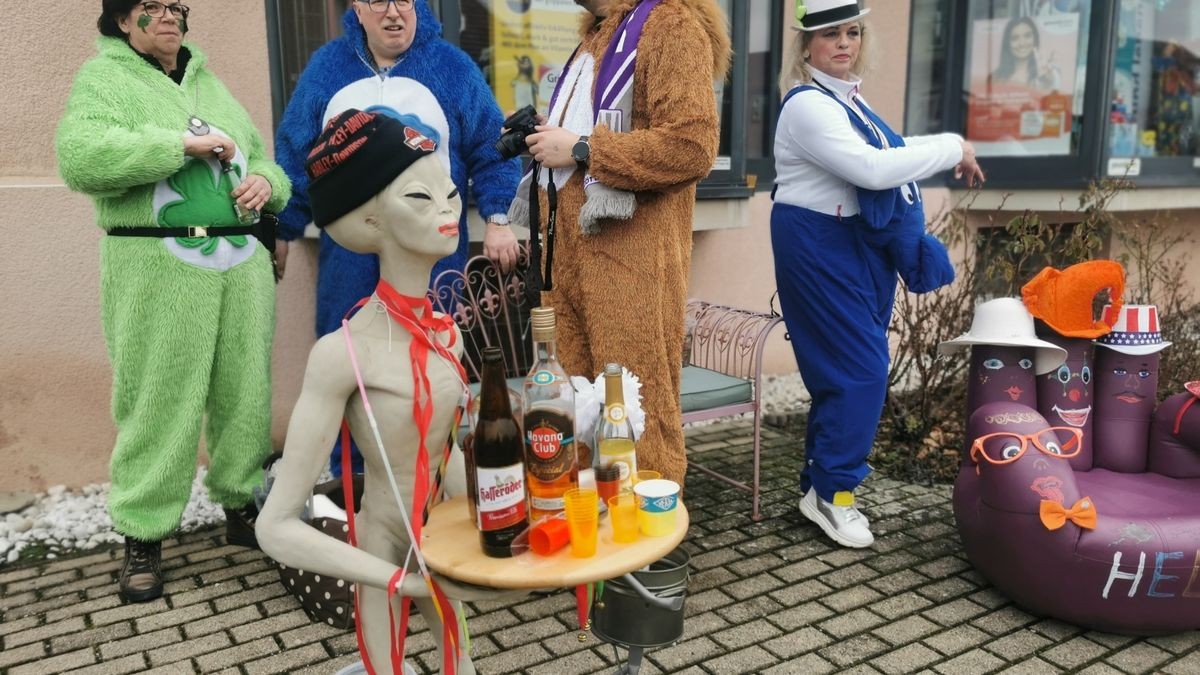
column 644, row 608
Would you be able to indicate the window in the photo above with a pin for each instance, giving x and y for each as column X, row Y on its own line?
column 1154, row 119
column 763, row 58
column 927, row 67
column 1019, row 79
column 1023, row 63
column 521, row 45
column 296, row 29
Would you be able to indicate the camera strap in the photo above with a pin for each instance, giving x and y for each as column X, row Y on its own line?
column 536, row 281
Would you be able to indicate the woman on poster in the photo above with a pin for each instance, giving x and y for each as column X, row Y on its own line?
column 1020, row 59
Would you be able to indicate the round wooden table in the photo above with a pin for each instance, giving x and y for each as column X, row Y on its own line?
column 451, row 547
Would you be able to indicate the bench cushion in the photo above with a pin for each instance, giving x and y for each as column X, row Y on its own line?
column 701, row 389
column 704, row 389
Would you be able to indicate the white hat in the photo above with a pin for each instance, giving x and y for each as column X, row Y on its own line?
column 1005, row 322
column 815, row 14
column 1135, row 330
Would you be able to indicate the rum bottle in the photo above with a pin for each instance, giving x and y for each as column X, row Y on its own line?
column 500, row 500
column 551, row 462
column 614, row 433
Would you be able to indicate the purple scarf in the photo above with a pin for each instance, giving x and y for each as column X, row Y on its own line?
column 612, row 95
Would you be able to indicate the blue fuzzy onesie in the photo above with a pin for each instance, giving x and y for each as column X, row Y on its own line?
column 433, row 81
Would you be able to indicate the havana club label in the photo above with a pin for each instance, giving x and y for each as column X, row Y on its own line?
column 549, row 443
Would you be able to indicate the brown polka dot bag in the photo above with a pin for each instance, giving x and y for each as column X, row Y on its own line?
column 325, row 599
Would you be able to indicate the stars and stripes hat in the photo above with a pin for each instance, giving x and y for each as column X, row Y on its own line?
column 816, row 14
column 1135, row 330
column 358, row 154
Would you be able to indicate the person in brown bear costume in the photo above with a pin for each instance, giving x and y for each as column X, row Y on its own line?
column 632, row 128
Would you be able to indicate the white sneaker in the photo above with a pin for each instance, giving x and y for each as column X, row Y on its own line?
column 843, row 524
column 866, row 521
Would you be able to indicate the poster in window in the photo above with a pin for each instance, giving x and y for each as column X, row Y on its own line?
column 1022, row 83
column 531, row 41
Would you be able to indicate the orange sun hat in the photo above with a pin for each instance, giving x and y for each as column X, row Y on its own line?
column 1063, row 298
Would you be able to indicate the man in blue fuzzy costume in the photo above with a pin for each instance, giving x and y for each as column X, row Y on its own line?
column 392, row 59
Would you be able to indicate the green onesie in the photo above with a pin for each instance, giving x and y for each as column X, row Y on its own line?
column 188, row 321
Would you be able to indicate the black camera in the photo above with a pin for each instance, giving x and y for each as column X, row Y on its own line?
column 520, row 124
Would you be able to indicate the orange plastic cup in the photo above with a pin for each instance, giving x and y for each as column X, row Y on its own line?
column 623, row 509
column 548, row 536
column 583, row 520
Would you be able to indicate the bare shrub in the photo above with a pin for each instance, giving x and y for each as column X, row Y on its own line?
column 921, row 432
column 1155, row 259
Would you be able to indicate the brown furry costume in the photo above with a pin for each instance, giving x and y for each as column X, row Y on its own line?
column 620, row 293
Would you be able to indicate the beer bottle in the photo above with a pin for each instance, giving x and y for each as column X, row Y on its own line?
column 499, row 472
column 551, row 462
column 614, row 434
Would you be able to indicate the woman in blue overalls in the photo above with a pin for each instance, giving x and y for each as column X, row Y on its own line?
column 847, row 219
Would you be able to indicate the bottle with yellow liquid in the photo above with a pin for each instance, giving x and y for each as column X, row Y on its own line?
column 614, row 434
column 551, row 462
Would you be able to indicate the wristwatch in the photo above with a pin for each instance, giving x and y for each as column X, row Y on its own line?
column 581, row 152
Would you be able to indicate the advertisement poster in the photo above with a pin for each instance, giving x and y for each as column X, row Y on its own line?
column 531, row 41
column 1021, row 85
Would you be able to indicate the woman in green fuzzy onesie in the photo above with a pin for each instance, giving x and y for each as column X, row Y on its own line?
column 166, row 152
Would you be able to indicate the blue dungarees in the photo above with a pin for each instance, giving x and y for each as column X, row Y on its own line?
column 837, row 283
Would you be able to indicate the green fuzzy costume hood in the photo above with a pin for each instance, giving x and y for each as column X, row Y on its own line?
column 124, row 126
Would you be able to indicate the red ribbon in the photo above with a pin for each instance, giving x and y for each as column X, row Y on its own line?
column 424, row 328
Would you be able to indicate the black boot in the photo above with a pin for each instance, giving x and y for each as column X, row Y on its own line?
column 239, row 526
column 141, row 576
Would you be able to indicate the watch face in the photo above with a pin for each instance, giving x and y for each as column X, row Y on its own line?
column 580, row 151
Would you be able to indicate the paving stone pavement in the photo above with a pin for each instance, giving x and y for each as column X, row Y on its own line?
column 768, row 597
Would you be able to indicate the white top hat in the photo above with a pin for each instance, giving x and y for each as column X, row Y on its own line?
column 1005, row 322
column 1135, row 330
column 815, row 14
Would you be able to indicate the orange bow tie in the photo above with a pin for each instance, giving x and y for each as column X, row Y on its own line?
column 1055, row 515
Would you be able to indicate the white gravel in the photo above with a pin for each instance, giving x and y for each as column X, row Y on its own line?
column 65, row 520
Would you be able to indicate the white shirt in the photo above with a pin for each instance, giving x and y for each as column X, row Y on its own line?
column 821, row 158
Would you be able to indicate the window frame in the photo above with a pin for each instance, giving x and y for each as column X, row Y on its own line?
column 720, row 184
column 1074, row 171
column 1155, row 172
column 741, row 180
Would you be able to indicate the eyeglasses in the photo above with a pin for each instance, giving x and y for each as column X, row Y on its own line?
column 159, row 10
column 381, row 6
column 1005, row 447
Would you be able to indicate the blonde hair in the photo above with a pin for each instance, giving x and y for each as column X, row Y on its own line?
column 794, row 71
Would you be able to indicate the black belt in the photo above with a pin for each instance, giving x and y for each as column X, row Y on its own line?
column 264, row 231
column 189, row 231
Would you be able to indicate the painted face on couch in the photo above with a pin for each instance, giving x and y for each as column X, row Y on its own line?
column 1126, row 384
column 1021, row 458
column 1065, row 393
column 1001, row 374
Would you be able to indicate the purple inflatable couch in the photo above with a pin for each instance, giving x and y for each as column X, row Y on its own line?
column 1105, row 534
